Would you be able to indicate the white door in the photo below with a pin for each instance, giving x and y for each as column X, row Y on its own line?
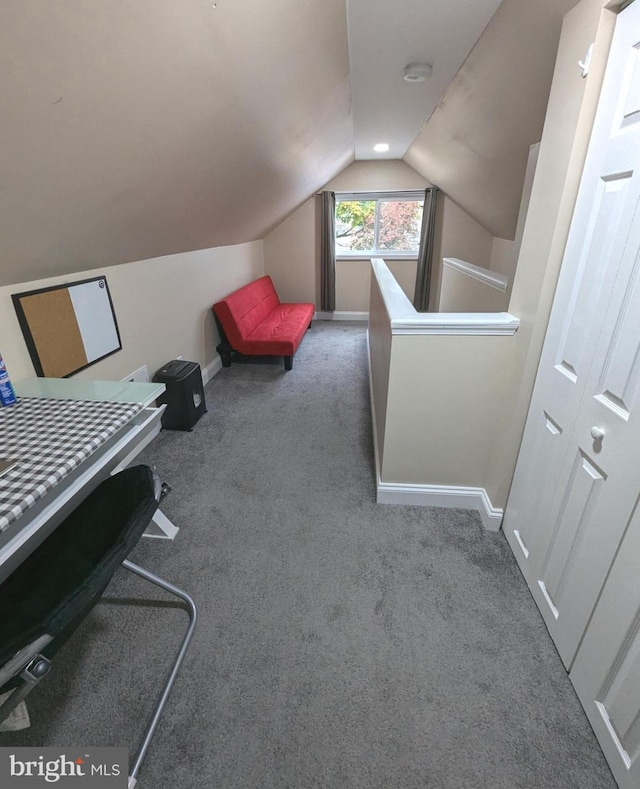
column 577, row 476
column 606, row 671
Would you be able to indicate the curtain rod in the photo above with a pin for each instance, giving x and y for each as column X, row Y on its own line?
column 375, row 191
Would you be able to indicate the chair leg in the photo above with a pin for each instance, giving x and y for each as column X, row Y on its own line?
column 288, row 362
column 160, row 704
column 31, row 666
column 31, row 675
column 225, row 351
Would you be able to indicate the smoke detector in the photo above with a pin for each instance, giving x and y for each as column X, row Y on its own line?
column 417, row 72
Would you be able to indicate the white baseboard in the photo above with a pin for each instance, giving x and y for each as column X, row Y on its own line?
column 213, row 368
column 430, row 495
column 341, row 316
column 442, row 496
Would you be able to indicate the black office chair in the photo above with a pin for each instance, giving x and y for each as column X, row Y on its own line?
column 52, row 591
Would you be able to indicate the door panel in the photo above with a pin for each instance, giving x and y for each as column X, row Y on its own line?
column 573, row 351
column 616, row 370
column 606, row 672
column 545, row 444
column 571, row 528
column 589, row 516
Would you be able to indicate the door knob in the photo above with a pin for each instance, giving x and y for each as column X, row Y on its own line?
column 597, row 433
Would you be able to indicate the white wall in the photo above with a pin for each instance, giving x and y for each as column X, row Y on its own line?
column 163, row 308
column 291, row 254
column 444, row 408
column 380, row 340
column 353, row 281
column 463, row 293
column 504, row 253
column 377, row 176
column 457, row 236
column 504, row 258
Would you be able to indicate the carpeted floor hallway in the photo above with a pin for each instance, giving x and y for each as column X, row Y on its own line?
column 341, row 643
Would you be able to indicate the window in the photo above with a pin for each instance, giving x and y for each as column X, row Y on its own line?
column 385, row 224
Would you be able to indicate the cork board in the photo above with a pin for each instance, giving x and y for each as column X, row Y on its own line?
column 68, row 327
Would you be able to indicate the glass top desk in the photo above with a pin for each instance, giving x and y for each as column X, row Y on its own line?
column 66, row 437
column 113, row 391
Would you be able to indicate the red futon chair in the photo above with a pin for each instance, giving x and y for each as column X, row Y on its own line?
column 253, row 321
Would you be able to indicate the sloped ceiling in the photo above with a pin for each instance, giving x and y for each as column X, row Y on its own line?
column 131, row 130
column 475, row 144
column 385, row 37
column 137, row 129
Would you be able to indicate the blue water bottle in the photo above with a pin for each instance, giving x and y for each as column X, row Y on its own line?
column 7, row 395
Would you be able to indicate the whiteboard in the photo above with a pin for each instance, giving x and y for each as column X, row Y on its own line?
column 68, row 327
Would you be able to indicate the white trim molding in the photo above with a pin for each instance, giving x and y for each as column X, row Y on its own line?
column 484, row 275
column 408, row 256
column 211, row 369
column 405, row 319
column 442, row 496
column 465, row 323
column 341, row 316
column 407, row 194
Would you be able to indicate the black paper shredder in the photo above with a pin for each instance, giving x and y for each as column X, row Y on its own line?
column 184, row 394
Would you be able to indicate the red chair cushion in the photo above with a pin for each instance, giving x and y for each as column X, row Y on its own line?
column 281, row 332
column 241, row 311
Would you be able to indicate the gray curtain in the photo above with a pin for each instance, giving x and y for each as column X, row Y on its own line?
column 425, row 253
column 327, row 251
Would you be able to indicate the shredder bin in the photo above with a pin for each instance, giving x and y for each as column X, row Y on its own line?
column 184, row 394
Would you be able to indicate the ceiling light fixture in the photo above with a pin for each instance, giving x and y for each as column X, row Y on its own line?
column 381, row 147
column 417, row 72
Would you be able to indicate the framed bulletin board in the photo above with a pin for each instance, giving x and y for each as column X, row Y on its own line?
column 68, row 327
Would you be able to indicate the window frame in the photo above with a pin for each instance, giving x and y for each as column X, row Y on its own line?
column 404, row 196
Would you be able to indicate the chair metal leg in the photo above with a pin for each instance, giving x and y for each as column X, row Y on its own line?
column 19, row 661
column 161, row 528
column 31, row 675
column 160, row 704
column 31, row 667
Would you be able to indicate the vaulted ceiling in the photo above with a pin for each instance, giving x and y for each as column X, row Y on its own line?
column 384, row 38
column 132, row 130
column 476, row 143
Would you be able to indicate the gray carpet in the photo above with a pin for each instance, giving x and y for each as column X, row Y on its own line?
column 341, row 643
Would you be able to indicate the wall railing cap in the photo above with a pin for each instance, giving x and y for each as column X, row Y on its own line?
column 406, row 320
column 491, row 278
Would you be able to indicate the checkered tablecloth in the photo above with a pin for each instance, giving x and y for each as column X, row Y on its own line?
column 49, row 438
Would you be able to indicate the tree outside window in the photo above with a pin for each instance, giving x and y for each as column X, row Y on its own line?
column 376, row 226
